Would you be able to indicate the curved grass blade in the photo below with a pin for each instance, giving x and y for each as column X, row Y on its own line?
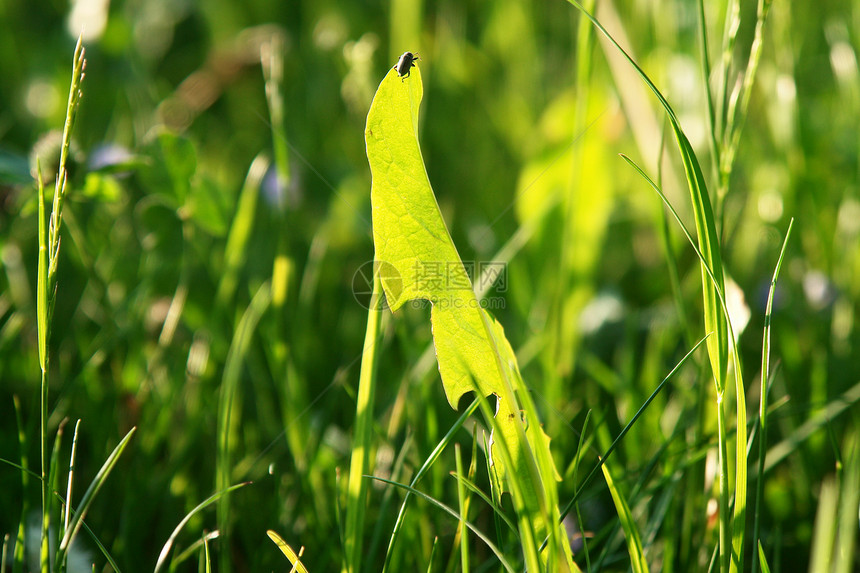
column 498, row 511
column 165, row 551
column 104, row 551
column 629, row 425
column 730, row 560
column 192, row 549
column 425, row 467
column 74, row 525
column 716, row 321
column 498, row 553
column 285, row 548
column 705, row 224
column 236, row 249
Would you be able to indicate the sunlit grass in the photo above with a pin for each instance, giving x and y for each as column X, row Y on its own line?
column 187, row 295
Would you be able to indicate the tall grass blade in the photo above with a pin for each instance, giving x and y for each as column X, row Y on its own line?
column 68, row 504
column 729, row 559
column 825, row 527
column 42, row 321
column 703, row 214
column 463, row 504
column 21, row 539
column 628, row 524
column 716, row 322
column 193, row 549
column 432, row 554
column 49, row 247
column 361, row 447
column 205, row 557
column 227, row 402
column 236, row 249
column 763, row 403
column 49, row 510
column 77, row 519
column 579, row 520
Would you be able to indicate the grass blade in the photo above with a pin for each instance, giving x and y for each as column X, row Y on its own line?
column 236, row 249
column 499, row 554
column 360, row 459
column 192, row 549
column 425, row 467
column 67, row 513
column 628, row 524
column 227, row 400
column 97, row 483
column 285, row 548
column 21, row 538
column 765, row 568
column 629, row 425
column 165, row 551
column 49, row 247
column 729, row 560
column 763, row 403
column 716, row 322
column 463, row 502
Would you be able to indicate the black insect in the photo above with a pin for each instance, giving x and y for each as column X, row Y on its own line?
column 405, row 63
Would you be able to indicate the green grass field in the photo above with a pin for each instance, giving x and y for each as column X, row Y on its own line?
column 641, row 246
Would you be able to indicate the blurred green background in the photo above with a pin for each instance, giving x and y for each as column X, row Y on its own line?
column 522, row 124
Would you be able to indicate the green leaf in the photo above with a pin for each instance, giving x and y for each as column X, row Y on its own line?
column 413, row 243
column 421, row 262
column 209, row 206
column 174, row 162
column 101, row 188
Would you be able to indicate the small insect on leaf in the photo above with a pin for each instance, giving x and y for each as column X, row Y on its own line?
column 405, row 63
